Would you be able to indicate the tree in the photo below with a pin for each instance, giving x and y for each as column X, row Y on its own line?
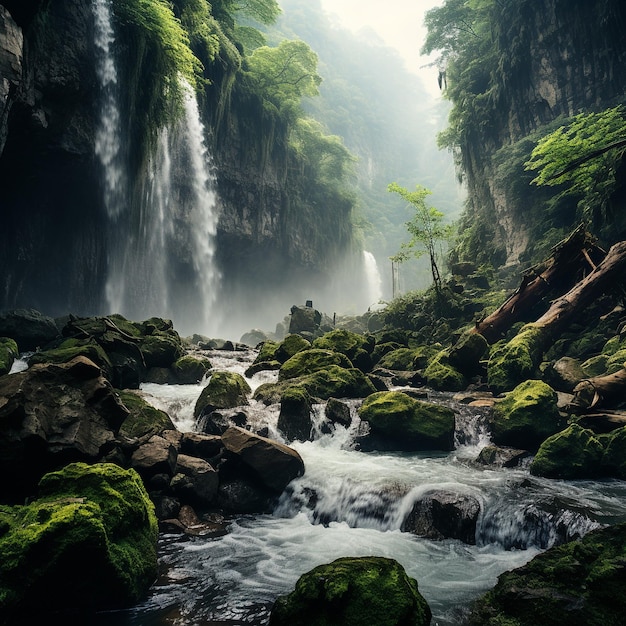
column 426, row 230
column 562, row 159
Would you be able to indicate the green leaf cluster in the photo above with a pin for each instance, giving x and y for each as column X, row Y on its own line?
column 560, row 158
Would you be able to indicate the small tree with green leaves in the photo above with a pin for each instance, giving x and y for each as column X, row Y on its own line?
column 581, row 157
column 427, row 229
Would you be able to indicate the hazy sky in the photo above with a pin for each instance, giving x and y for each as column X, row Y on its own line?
column 398, row 22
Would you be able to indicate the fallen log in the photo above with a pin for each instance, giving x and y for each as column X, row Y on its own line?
column 599, row 391
column 518, row 360
column 569, row 261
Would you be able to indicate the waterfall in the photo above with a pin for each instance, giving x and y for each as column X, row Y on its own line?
column 373, row 278
column 165, row 264
column 108, row 132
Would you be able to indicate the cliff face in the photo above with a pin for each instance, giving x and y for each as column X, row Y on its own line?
column 56, row 239
column 556, row 59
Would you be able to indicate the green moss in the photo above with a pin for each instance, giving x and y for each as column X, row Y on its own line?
column 614, row 460
column 93, row 530
column 309, row 361
column 289, row 346
column 161, row 349
column 526, row 416
column 71, row 348
column 144, row 419
column 513, row 362
column 408, row 424
column 353, row 592
column 225, row 390
column 8, row 353
column 596, row 365
column 191, row 369
column 344, row 341
column 442, row 376
column 616, row 361
column 572, row 453
column 580, row 582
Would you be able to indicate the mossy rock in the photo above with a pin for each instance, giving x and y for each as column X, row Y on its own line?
column 616, row 361
column 612, row 346
column 399, row 422
column 225, row 390
column 346, row 342
column 333, row 381
column 381, row 349
column 577, row 583
column 8, row 353
column 513, row 362
column 289, row 346
column 294, row 420
column 190, row 369
column 309, row 361
column 442, row 375
column 526, row 416
column 404, row 359
column 144, row 419
column 572, row 453
column 69, row 349
column 93, row 531
column 353, row 592
column 161, row 350
column 614, row 460
column 596, row 365
column 267, row 352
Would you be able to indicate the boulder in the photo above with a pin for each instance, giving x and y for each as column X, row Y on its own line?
column 358, row 348
column 190, row 369
column 207, row 447
column 580, row 582
column 353, row 591
column 614, row 459
column 572, row 453
column 289, row 346
column 443, row 515
column 188, row 522
column 501, row 457
column 564, row 374
column 304, row 319
column 294, row 420
column 309, row 361
column 29, row 328
column 399, row 422
column 225, row 390
column 253, row 337
column 143, row 419
column 526, row 416
column 92, row 530
column 8, row 353
column 442, row 375
column 156, row 456
column 273, row 463
column 195, row 481
column 51, row 415
column 338, row 412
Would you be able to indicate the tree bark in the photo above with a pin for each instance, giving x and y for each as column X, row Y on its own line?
column 600, row 390
column 570, row 258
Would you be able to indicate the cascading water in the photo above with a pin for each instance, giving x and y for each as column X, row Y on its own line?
column 352, row 503
column 108, row 132
column 372, row 278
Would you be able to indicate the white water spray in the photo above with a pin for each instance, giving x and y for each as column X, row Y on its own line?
column 108, row 133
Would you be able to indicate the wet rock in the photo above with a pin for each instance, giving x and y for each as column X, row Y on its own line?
column 444, row 515
column 273, row 463
column 29, row 328
column 225, row 390
column 188, row 522
column 156, row 456
column 51, row 415
column 358, row 348
column 294, row 420
column 311, row 361
column 218, row 422
column 352, row 592
column 502, row 457
column 564, row 374
column 143, row 419
column 399, row 422
column 207, row 447
column 195, row 481
column 338, row 412
column 190, row 369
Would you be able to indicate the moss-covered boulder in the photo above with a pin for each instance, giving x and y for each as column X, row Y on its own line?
column 513, row 362
column 68, row 349
column 353, row 592
column 89, row 542
column 289, row 346
column 399, row 422
column 358, row 348
column 144, row 419
column 162, row 349
column 8, row 353
column 294, row 420
column 309, row 361
column 526, row 416
column 614, row 459
column 572, row 453
column 442, row 375
column 578, row 583
column 402, row 359
column 225, row 390
column 190, row 369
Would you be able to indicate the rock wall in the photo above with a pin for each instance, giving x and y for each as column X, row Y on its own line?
column 557, row 58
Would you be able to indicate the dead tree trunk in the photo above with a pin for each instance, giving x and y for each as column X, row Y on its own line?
column 600, row 390
column 570, row 259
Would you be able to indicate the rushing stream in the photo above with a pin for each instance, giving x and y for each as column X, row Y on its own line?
column 359, row 502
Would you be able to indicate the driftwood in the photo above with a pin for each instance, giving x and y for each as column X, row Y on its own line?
column 600, row 390
column 569, row 261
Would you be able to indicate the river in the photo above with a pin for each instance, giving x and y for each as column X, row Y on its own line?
column 352, row 503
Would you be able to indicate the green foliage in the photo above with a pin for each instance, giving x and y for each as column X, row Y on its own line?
column 559, row 159
column 284, row 74
column 426, row 229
